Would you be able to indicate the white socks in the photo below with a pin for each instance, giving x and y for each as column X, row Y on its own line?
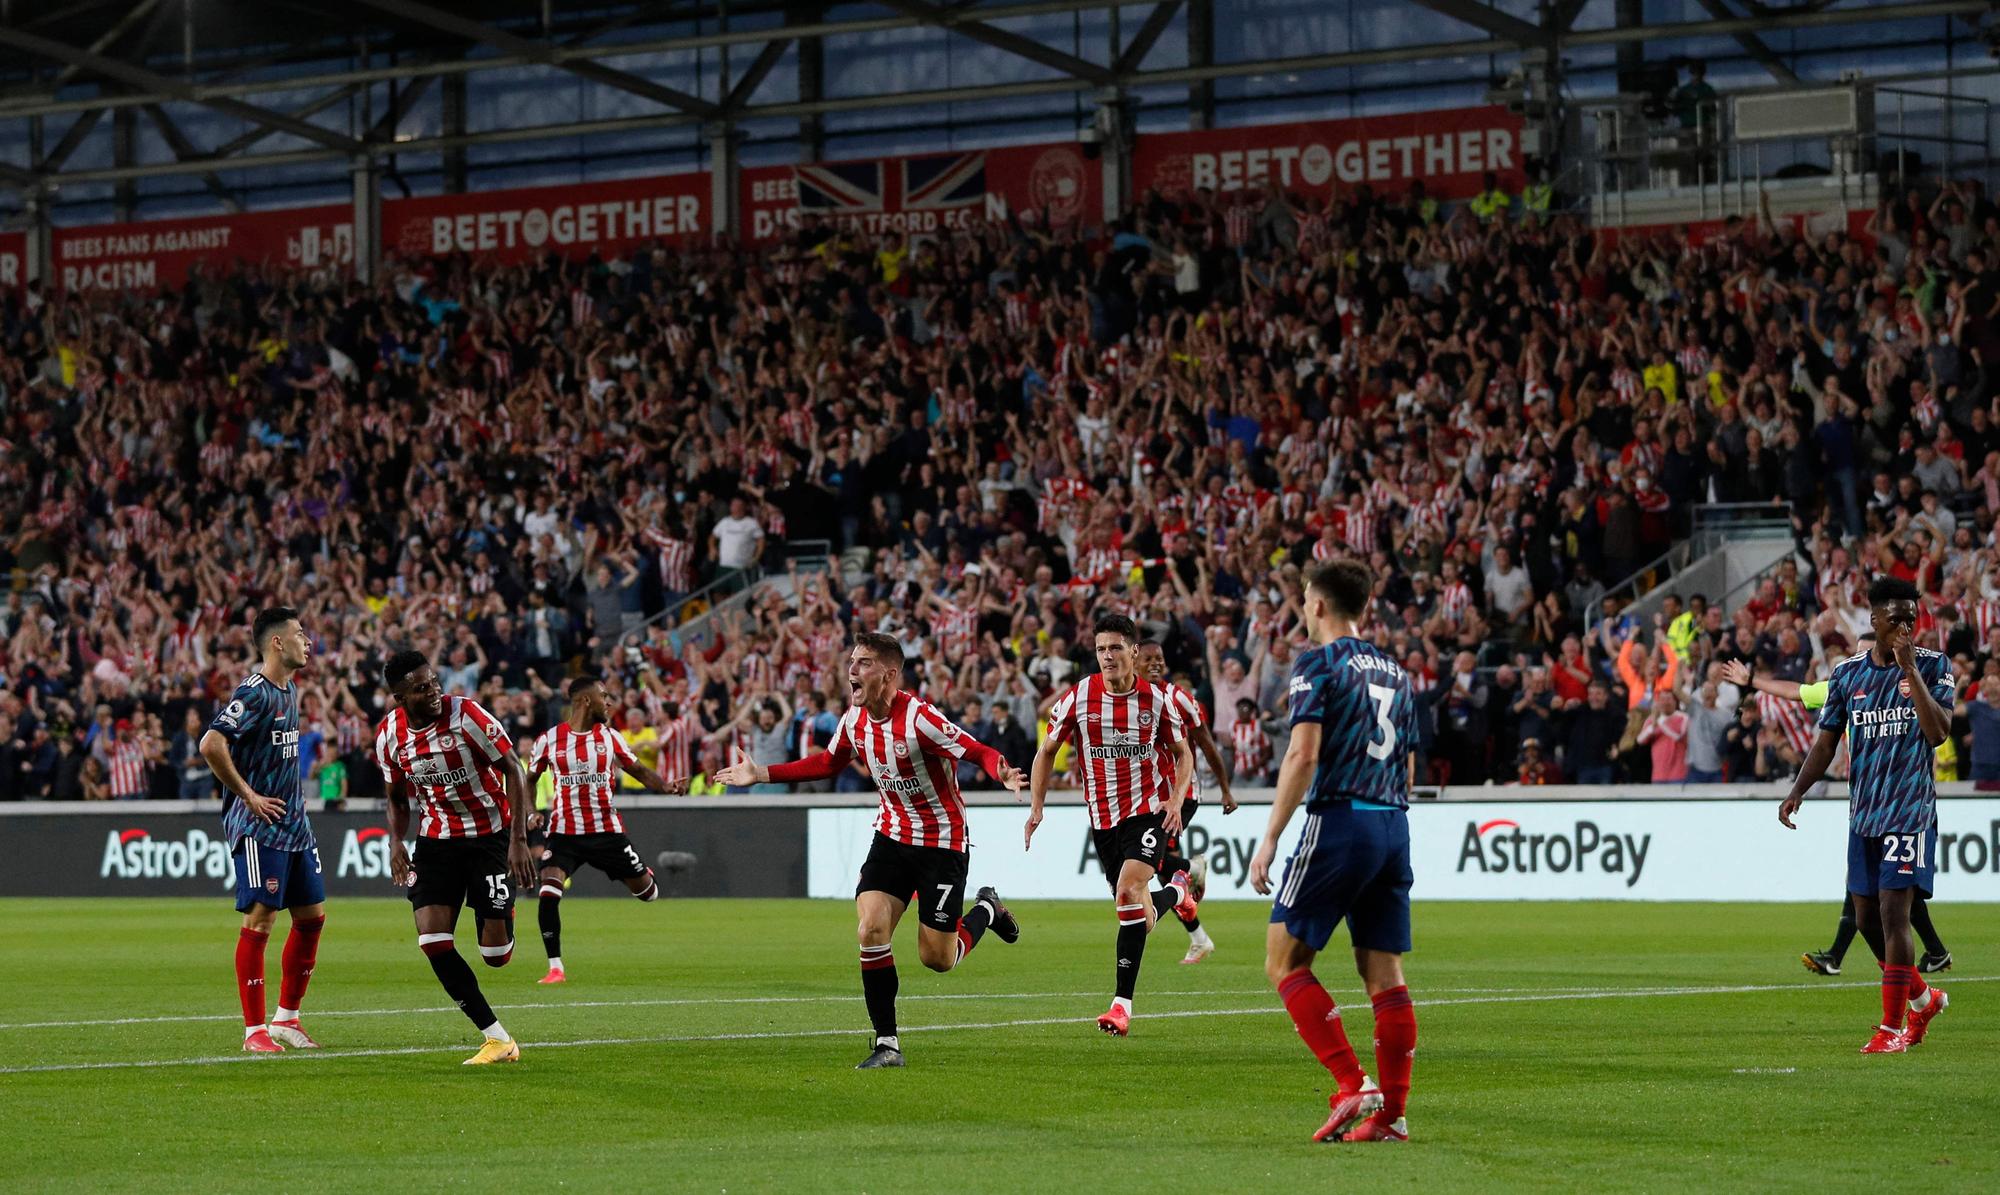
column 1921, row 1002
column 555, row 964
column 888, row 1043
column 286, row 1014
column 494, row 1032
column 1122, row 1002
column 1200, row 936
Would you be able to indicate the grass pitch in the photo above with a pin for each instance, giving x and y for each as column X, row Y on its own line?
column 708, row 1046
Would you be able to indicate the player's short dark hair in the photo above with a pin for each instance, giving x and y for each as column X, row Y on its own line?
column 401, row 665
column 883, row 647
column 1155, row 644
column 582, row 681
column 1345, row 584
column 1883, row 590
column 268, row 620
column 1117, row 624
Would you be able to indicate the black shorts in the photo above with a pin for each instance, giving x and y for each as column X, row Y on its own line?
column 464, row 871
column 930, row 878
column 1189, row 808
column 612, row 854
column 1138, row 838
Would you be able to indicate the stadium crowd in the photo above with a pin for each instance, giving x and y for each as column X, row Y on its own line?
column 525, row 469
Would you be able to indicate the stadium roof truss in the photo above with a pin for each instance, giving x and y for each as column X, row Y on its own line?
column 288, row 75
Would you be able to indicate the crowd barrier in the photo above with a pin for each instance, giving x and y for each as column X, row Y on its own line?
column 1699, row 842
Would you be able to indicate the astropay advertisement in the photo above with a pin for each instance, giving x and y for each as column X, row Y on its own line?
column 1449, row 150
column 1484, row 850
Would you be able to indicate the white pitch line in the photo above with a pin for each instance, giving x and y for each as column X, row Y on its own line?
column 695, row 1001
column 790, row 1034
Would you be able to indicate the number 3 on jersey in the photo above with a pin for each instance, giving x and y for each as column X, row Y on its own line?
column 1385, row 698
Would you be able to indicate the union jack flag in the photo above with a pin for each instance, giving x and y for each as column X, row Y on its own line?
column 930, row 183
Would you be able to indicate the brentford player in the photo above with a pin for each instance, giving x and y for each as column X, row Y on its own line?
column 472, row 842
column 252, row 746
column 584, row 828
column 911, row 751
column 1122, row 725
column 1153, row 666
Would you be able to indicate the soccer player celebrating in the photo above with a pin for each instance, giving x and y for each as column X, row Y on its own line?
column 911, row 751
column 252, row 746
column 1153, row 666
column 584, row 827
column 1894, row 703
column 1351, row 759
column 1122, row 725
column 472, row 843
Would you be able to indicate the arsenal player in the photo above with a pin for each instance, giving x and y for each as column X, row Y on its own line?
column 472, row 843
column 1121, row 725
column 584, row 827
column 911, row 751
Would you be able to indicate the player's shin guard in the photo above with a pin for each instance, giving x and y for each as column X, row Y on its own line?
column 1920, row 921
column 972, row 927
column 878, row 987
column 549, row 914
column 1132, row 945
column 651, row 892
column 301, row 955
column 1318, row 1023
column 250, row 945
column 459, row 982
column 1896, row 988
column 1395, row 1048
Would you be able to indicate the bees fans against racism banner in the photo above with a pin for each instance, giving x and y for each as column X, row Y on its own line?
column 151, row 254
column 926, row 194
column 1450, row 151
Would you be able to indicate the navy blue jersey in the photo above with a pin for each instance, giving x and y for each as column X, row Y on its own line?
column 261, row 723
column 1368, row 723
column 1890, row 781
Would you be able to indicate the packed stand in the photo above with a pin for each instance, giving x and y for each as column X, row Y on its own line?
column 526, row 469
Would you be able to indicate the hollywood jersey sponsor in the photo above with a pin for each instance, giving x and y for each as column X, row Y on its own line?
column 134, row 854
column 1501, row 845
column 365, row 853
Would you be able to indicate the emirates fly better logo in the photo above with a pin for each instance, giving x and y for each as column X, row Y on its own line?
column 1502, row 845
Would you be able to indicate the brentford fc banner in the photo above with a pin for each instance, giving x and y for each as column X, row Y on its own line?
column 1449, row 151
column 509, row 226
column 151, row 254
column 925, row 194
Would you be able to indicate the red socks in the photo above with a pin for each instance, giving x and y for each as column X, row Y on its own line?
column 1395, row 1046
column 1917, row 985
column 1899, row 987
column 250, row 974
column 301, row 953
column 1319, row 1024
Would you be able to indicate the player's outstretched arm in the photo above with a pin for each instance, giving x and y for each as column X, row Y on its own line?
column 654, row 782
column 1204, row 740
column 1810, row 773
column 1294, row 775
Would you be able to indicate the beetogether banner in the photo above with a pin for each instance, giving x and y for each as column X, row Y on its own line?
column 1529, row 850
column 920, row 195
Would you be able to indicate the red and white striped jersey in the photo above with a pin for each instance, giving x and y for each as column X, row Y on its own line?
column 912, row 756
column 585, row 767
column 1253, row 748
column 452, row 766
column 127, row 758
column 1119, row 737
column 1192, row 716
column 1791, row 718
column 676, row 560
column 678, row 737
